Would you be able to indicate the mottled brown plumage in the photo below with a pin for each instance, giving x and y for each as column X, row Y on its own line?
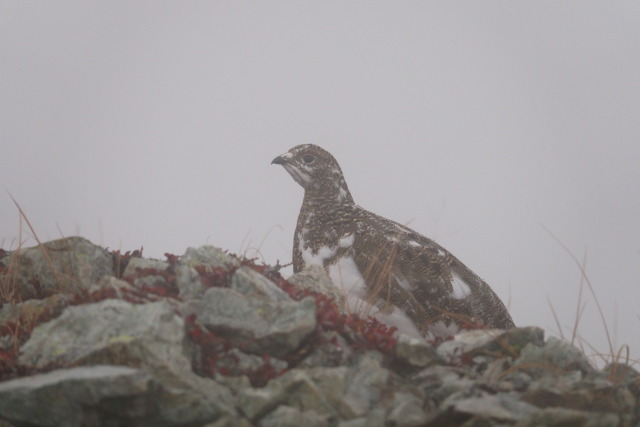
column 395, row 273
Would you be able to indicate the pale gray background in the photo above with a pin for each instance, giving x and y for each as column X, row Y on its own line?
column 153, row 123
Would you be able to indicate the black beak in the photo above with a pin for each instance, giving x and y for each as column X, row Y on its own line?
column 278, row 161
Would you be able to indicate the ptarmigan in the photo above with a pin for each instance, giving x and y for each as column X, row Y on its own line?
column 385, row 269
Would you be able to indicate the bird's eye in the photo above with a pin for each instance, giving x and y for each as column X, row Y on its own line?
column 308, row 159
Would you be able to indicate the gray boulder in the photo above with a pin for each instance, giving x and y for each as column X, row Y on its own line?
column 254, row 323
column 209, row 258
column 135, row 265
column 295, row 389
column 554, row 359
column 417, row 352
column 249, row 282
column 315, row 279
column 65, row 266
column 97, row 395
column 262, row 357
column 150, row 336
column 286, row 416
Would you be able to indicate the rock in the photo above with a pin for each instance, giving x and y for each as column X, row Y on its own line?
column 496, row 373
column 315, row 279
column 66, row 266
column 439, row 382
column 228, row 421
column 374, row 418
column 366, row 384
column 332, row 382
column 251, row 283
column 210, row 258
column 498, row 407
column 263, row 357
column 329, row 349
column 349, row 392
column 466, row 341
column 82, row 396
column 512, row 341
column 255, row 324
column 406, row 410
column 561, row 417
column 490, row 342
column 30, row 311
column 589, row 395
column 286, row 416
column 416, row 352
column 85, row 331
column 554, row 359
column 235, row 362
column 295, row 389
column 620, row 373
column 119, row 287
column 150, row 336
column 135, row 265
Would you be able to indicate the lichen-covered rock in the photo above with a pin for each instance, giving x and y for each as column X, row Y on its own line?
column 89, row 331
column 620, row 373
column 438, row 382
column 255, row 324
column 466, row 341
column 229, row 421
column 407, row 410
column 367, row 383
column 118, row 287
column 28, row 312
column 589, row 395
column 554, row 359
column 331, row 350
column 136, row 265
column 65, row 266
column 295, row 389
column 314, row 278
column 211, row 340
column 150, row 336
column 286, row 416
column 485, row 345
column 374, row 418
column 207, row 257
column 344, row 392
column 82, row 396
column 251, row 283
column 416, row 352
column 561, row 417
column 235, row 362
column 504, row 407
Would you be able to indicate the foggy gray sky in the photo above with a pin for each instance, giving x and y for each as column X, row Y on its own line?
column 154, row 123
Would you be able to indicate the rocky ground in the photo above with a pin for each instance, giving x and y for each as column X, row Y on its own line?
column 91, row 337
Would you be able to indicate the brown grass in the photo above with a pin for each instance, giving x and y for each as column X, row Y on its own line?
column 622, row 354
column 9, row 291
column 246, row 247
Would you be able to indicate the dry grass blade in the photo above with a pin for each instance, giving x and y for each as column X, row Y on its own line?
column 588, row 282
column 61, row 279
column 555, row 317
column 257, row 251
column 9, row 282
column 580, row 306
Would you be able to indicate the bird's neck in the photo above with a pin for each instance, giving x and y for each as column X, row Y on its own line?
column 328, row 196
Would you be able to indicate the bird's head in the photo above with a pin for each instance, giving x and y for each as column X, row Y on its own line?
column 316, row 170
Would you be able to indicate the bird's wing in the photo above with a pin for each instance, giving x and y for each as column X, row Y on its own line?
column 415, row 273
